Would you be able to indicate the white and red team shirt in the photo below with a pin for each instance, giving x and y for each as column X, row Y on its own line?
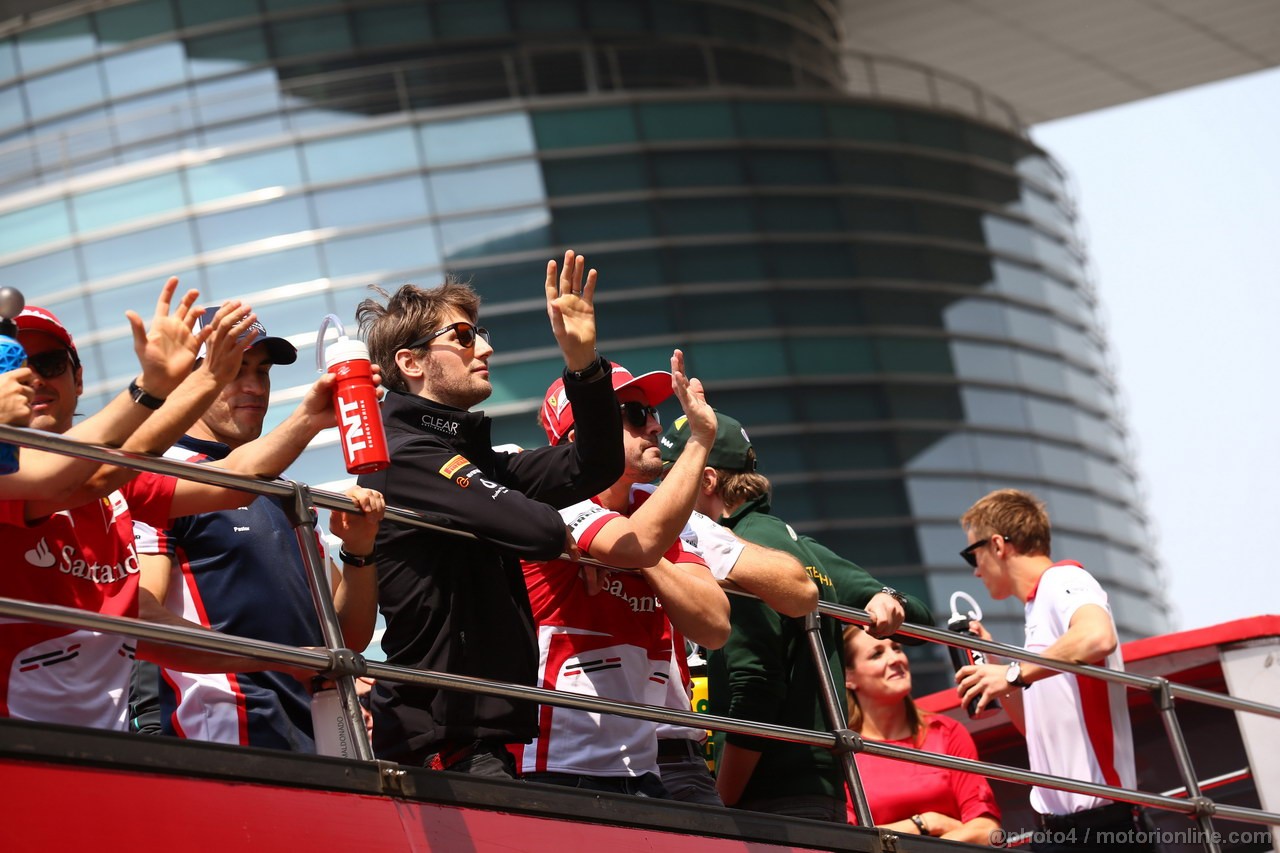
column 614, row 645
column 720, row 549
column 1076, row 727
column 83, row 558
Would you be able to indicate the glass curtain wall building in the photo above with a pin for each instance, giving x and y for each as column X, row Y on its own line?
column 888, row 294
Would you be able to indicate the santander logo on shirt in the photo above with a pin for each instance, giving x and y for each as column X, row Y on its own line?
column 638, row 603
column 69, row 562
column 40, row 556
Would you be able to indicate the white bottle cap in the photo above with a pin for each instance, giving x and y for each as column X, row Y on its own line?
column 345, row 349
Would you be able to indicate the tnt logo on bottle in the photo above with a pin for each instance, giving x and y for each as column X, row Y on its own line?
column 352, row 428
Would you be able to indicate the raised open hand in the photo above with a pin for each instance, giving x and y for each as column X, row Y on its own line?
column 223, row 346
column 571, row 309
column 693, row 399
column 167, row 350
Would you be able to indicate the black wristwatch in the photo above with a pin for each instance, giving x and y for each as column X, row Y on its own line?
column 142, row 398
column 901, row 599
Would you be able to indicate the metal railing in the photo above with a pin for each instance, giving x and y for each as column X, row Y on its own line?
column 343, row 664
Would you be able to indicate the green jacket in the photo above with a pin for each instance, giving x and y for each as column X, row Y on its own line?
column 855, row 587
column 765, row 672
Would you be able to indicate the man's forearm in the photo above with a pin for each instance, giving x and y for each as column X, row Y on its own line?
column 154, row 435
column 356, row 602
column 659, row 520
column 55, row 480
column 733, row 772
column 775, row 577
column 696, row 606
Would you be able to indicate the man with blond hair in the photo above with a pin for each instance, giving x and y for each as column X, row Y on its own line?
column 460, row 605
column 765, row 672
column 1075, row 727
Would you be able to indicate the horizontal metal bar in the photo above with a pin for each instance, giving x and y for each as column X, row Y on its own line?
column 322, row 661
column 1247, row 815
column 55, row 443
column 214, row 476
column 653, row 713
column 1015, row 774
column 212, row 641
column 1128, row 679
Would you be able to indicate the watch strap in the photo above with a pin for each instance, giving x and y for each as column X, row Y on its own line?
column 142, row 398
column 350, row 559
column 899, row 597
column 592, row 371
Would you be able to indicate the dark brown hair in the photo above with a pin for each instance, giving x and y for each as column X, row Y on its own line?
column 410, row 313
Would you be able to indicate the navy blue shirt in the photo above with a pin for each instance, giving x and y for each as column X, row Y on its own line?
column 240, row 572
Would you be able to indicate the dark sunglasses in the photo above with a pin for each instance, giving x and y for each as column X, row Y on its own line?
column 970, row 554
column 637, row 414
column 466, row 331
column 51, row 364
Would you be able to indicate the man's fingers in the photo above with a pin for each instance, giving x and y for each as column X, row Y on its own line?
column 184, row 311
column 566, row 273
column 589, row 289
column 166, row 296
column 552, row 275
column 136, row 327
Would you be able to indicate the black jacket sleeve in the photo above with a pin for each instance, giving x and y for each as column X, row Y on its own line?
column 564, row 475
column 430, row 476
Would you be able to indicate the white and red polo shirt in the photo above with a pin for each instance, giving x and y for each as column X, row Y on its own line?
column 1076, row 727
column 82, row 558
column 615, row 645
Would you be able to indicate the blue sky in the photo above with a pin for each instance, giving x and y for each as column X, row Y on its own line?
column 1180, row 207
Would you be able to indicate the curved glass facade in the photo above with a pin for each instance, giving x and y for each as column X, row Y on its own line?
column 890, row 297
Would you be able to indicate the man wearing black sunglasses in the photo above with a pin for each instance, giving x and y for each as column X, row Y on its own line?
column 1077, row 727
column 622, row 617
column 455, row 604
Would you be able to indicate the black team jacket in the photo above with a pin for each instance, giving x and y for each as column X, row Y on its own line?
column 459, row 605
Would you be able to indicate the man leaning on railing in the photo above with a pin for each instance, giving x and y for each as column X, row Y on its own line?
column 1076, row 727
column 67, row 522
column 241, row 571
column 458, row 605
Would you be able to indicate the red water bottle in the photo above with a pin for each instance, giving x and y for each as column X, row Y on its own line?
column 355, row 401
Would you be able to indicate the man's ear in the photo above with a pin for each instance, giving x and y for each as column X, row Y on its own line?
column 79, row 382
column 571, row 434
column 710, row 481
column 408, row 364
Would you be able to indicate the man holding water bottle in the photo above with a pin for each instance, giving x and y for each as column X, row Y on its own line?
column 454, row 604
column 1076, row 727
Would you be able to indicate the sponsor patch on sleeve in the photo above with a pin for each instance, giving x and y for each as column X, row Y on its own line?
column 453, row 466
